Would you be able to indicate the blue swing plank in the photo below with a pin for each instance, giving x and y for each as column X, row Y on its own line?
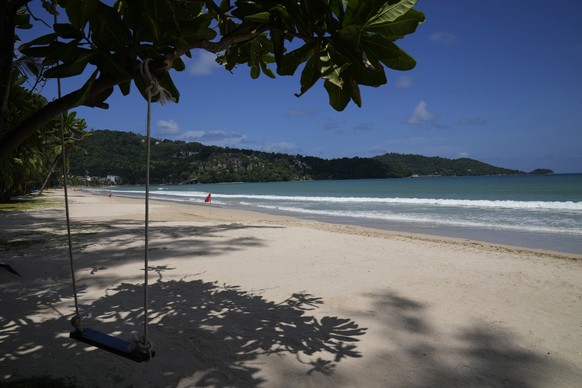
column 112, row 344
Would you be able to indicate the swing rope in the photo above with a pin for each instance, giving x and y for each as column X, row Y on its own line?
column 76, row 320
column 147, row 220
column 92, row 337
column 154, row 89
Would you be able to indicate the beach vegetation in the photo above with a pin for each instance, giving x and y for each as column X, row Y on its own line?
column 33, row 165
column 103, row 45
column 31, row 203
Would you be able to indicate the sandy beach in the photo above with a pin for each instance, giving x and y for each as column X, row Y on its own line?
column 243, row 299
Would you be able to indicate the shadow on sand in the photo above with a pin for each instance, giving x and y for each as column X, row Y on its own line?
column 216, row 334
column 479, row 355
column 219, row 335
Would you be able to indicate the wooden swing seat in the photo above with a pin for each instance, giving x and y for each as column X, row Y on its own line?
column 112, row 344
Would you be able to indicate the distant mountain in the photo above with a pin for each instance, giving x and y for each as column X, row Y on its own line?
column 122, row 154
column 424, row 165
column 541, row 171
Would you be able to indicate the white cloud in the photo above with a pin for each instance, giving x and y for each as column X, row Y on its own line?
column 218, row 138
column 403, row 82
column 422, row 115
column 203, row 64
column 281, row 147
column 443, row 37
column 168, row 127
column 463, row 155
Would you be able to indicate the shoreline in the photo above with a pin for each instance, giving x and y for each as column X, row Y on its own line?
column 345, row 225
column 241, row 298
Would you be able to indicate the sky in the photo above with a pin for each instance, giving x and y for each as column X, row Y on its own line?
column 497, row 81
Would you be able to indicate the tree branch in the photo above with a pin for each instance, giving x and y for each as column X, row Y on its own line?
column 34, row 122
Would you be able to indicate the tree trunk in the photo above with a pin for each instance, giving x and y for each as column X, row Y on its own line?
column 7, row 36
column 49, row 175
column 8, row 11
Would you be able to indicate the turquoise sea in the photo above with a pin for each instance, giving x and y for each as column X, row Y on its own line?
column 543, row 212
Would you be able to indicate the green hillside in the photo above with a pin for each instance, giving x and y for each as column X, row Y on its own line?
column 423, row 165
column 122, row 154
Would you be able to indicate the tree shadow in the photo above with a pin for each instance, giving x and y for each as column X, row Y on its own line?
column 98, row 246
column 480, row 355
column 214, row 334
column 219, row 335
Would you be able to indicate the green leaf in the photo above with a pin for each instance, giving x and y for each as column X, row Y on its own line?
column 151, row 25
column 255, row 72
column 403, row 62
column 37, row 52
column 350, row 36
column 80, row 11
column 22, row 21
column 278, row 38
column 333, row 64
column 85, row 90
column 310, row 75
column 64, row 52
column 104, row 95
column 389, row 13
column 366, row 71
column 125, row 87
column 40, row 41
column 69, row 69
column 404, row 25
column 337, row 7
column 383, row 49
column 203, row 33
column 109, row 32
column 178, row 64
column 67, row 31
column 113, row 64
column 261, row 17
column 266, row 70
column 339, row 98
column 354, row 90
column 292, row 60
column 351, row 7
column 281, row 15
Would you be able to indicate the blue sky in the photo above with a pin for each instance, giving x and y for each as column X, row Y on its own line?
column 497, row 81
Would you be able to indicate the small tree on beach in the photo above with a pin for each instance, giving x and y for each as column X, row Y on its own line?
column 105, row 44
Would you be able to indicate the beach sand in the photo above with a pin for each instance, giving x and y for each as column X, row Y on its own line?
column 247, row 299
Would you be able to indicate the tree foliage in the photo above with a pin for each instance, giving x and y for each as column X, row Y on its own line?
column 344, row 43
column 37, row 156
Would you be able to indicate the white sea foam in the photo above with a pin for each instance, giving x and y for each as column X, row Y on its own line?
column 426, row 219
column 464, row 203
column 504, row 204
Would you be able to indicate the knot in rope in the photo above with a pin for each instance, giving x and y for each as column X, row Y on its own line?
column 143, row 344
column 76, row 323
column 154, row 88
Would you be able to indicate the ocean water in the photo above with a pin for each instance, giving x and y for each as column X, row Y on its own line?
column 543, row 212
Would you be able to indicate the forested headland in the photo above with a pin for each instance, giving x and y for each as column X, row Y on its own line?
column 122, row 154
